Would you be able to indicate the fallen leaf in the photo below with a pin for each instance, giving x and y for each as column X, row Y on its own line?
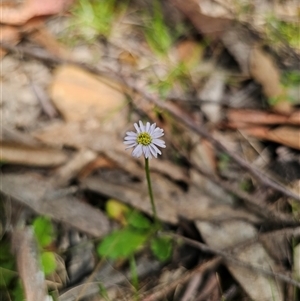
column 74, row 166
column 239, row 44
column 261, row 117
column 265, row 72
column 286, row 135
column 111, row 145
column 20, row 14
column 37, row 193
column 228, row 234
column 171, row 202
column 9, row 35
column 28, row 263
column 80, row 95
column 189, row 51
column 99, row 162
column 15, row 153
column 213, row 93
column 126, row 57
column 41, row 36
column 205, row 24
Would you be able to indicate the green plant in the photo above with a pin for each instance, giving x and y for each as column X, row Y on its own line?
column 178, row 74
column 289, row 79
column 278, row 31
column 44, row 233
column 7, row 264
column 10, row 285
column 93, row 18
column 123, row 243
column 159, row 37
column 137, row 230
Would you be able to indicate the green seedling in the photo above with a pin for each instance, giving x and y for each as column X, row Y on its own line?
column 178, row 74
column 158, row 36
column 162, row 247
column 95, row 18
column 280, row 31
column 8, row 275
column 123, row 243
column 45, row 235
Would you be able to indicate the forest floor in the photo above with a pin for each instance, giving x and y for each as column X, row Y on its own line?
column 221, row 79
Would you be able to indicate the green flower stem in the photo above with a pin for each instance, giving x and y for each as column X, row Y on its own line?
column 150, row 190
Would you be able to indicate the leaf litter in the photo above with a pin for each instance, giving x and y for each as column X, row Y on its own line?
column 68, row 165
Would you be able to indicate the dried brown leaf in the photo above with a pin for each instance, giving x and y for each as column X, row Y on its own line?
column 189, row 52
column 286, row 135
column 80, row 95
column 229, row 234
column 20, row 14
column 205, row 24
column 44, row 38
column 261, row 117
column 74, row 166
column 265, row 72
column 16, row 153
column 38, row 193
column 171, row 202
column 9, row 34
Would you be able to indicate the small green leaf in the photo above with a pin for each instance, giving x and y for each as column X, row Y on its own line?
column 116, row 210
column 48, row 262
column 5, row 253
column 18, row 292
column 43, row 230
column 162, row 248
column 121, row 244
column 138, row 220
column 6, row 275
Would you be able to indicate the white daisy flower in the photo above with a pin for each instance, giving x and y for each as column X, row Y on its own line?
column 145, row 140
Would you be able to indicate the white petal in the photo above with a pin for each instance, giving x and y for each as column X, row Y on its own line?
column 142, row 126
column 130, row 142
column 137, row 128
column 158, row 130
column 137, row 152
column 146, row 151
column 130, row 146
column 130, row 138
column 156, row 135
column 155, row 149
column 147, row 127
column 152, row 128
column 152, row 150
column 131, row 134
column 159, row 142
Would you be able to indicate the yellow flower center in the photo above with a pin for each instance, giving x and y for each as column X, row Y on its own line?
column 144, row 139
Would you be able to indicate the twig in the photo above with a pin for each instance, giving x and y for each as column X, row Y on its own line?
column 230, row 293
column 200, row 130
column 229, row 258
column 212, row 264
column 262, row 210
column 192, row 287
